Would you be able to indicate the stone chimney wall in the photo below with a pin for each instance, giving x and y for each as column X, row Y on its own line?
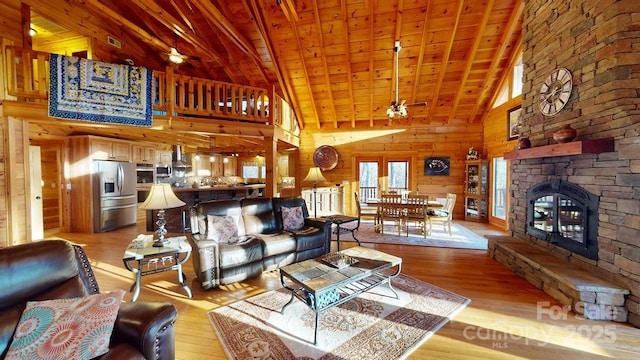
column 599, row 42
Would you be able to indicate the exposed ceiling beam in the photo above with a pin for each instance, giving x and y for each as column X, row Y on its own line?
column 347, row 62
column 423, row 44
column 262, row 18
column 323, row 56
column 289, row 10
column 445, row 59
column 369, row 8
column 505, row 41
column 300, row 47
column 214, row 15
column 470, row 58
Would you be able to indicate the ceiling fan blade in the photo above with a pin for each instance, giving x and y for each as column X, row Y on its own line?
column 421, row 103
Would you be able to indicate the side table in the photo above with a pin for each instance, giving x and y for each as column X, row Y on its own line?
column 340, row 220
column 152, row 260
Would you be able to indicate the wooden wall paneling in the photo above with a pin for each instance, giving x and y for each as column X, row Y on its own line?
column 18, row 187
column 496, row 144
column 10, row 26
column 4, row 204
column 81, row 212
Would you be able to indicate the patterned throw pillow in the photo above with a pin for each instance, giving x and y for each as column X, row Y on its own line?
column 292, row 218
column 78, row 328
column 221, row 228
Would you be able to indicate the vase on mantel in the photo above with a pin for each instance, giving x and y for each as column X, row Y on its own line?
column 565, row 134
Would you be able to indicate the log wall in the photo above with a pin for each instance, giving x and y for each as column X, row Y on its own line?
column 428, row 140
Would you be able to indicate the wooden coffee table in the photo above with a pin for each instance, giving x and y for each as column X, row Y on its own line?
column 322, row 286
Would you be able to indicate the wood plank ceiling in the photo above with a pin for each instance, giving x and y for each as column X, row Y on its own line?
column 333, row 60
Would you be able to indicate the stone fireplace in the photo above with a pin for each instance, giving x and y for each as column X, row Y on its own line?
column 564, row 214
column 598, row 42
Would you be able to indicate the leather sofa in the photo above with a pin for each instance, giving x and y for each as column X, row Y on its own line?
column 56, row 269
column 261, row 243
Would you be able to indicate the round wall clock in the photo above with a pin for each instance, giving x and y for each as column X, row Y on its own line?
column 555, row 91
column 325, row 157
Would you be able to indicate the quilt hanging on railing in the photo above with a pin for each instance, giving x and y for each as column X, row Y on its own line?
column 96, row 91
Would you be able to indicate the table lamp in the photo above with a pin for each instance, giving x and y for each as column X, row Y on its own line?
column 161, row 197
column 315, row 175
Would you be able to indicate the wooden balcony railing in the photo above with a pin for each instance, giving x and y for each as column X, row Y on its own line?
column 27, row 74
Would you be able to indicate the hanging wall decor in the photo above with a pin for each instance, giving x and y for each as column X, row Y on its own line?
column 437, row 166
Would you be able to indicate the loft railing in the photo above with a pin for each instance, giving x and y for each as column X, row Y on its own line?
column 27, row 74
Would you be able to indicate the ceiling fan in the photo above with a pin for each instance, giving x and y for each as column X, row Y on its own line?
column 398, row 107
column 175, row 57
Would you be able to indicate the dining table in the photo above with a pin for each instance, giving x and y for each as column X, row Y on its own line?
column 404, row 203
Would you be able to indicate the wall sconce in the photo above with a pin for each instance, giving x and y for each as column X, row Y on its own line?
column 32, row 32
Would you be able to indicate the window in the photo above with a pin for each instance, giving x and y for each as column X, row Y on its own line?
column 512, row 86
column 253, row 169
column 516, row 87
column 499, row 188
column 379, row 173
column 398, row 175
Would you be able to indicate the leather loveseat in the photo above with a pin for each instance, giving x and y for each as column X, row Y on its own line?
column 261, row 242
column 56, row 269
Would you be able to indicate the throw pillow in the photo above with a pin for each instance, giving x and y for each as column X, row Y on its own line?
column 292, row 218
column 221, row 228
column 78, row 328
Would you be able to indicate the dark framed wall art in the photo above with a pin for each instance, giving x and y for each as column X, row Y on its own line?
column 437, row 166
column 513, row 121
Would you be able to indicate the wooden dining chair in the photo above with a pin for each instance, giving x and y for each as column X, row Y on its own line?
column 416, row 208
column 443, row 215
column 391, row 208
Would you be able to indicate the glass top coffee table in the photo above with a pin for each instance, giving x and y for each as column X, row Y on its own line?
column 336, row 278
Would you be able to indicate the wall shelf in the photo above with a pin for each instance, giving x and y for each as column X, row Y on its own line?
column 570, row 148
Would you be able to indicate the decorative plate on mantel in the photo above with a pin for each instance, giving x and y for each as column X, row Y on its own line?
column 325, row 157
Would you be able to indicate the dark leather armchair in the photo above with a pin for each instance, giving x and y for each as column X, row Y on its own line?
column 56, row 269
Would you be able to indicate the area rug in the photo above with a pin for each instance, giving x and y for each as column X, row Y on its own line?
column 96, row 91
column 461, row 238
column 374, row 325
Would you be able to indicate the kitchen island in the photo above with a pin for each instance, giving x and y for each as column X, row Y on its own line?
column 177, row 218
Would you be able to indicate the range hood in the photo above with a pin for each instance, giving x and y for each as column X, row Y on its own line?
column 178, row 158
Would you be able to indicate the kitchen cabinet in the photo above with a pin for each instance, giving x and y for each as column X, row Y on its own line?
column 476, row 190
column 109, row 149
column 164, row 157
column 329, row 201
column 143, row 154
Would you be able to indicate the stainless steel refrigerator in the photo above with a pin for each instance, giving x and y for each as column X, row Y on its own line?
column 115, row 194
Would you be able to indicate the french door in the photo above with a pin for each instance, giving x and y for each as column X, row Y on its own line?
column 381, row 173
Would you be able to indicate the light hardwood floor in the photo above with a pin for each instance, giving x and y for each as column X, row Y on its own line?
column 507, row 319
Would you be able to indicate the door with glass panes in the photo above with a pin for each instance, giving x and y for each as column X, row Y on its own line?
column 379, row 174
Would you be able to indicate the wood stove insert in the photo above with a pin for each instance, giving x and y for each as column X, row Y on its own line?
column 564, row 214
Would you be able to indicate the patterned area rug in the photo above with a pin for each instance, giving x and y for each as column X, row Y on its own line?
column 96, row 91
column 374, row 325
column 461, row 238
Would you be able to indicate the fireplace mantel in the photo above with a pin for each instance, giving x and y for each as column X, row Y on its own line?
column 570, row 148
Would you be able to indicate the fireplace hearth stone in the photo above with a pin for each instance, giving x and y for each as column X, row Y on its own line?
column 586, row 294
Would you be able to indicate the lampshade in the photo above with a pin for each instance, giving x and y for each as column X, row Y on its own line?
column 315, row 175
column 161, row 197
